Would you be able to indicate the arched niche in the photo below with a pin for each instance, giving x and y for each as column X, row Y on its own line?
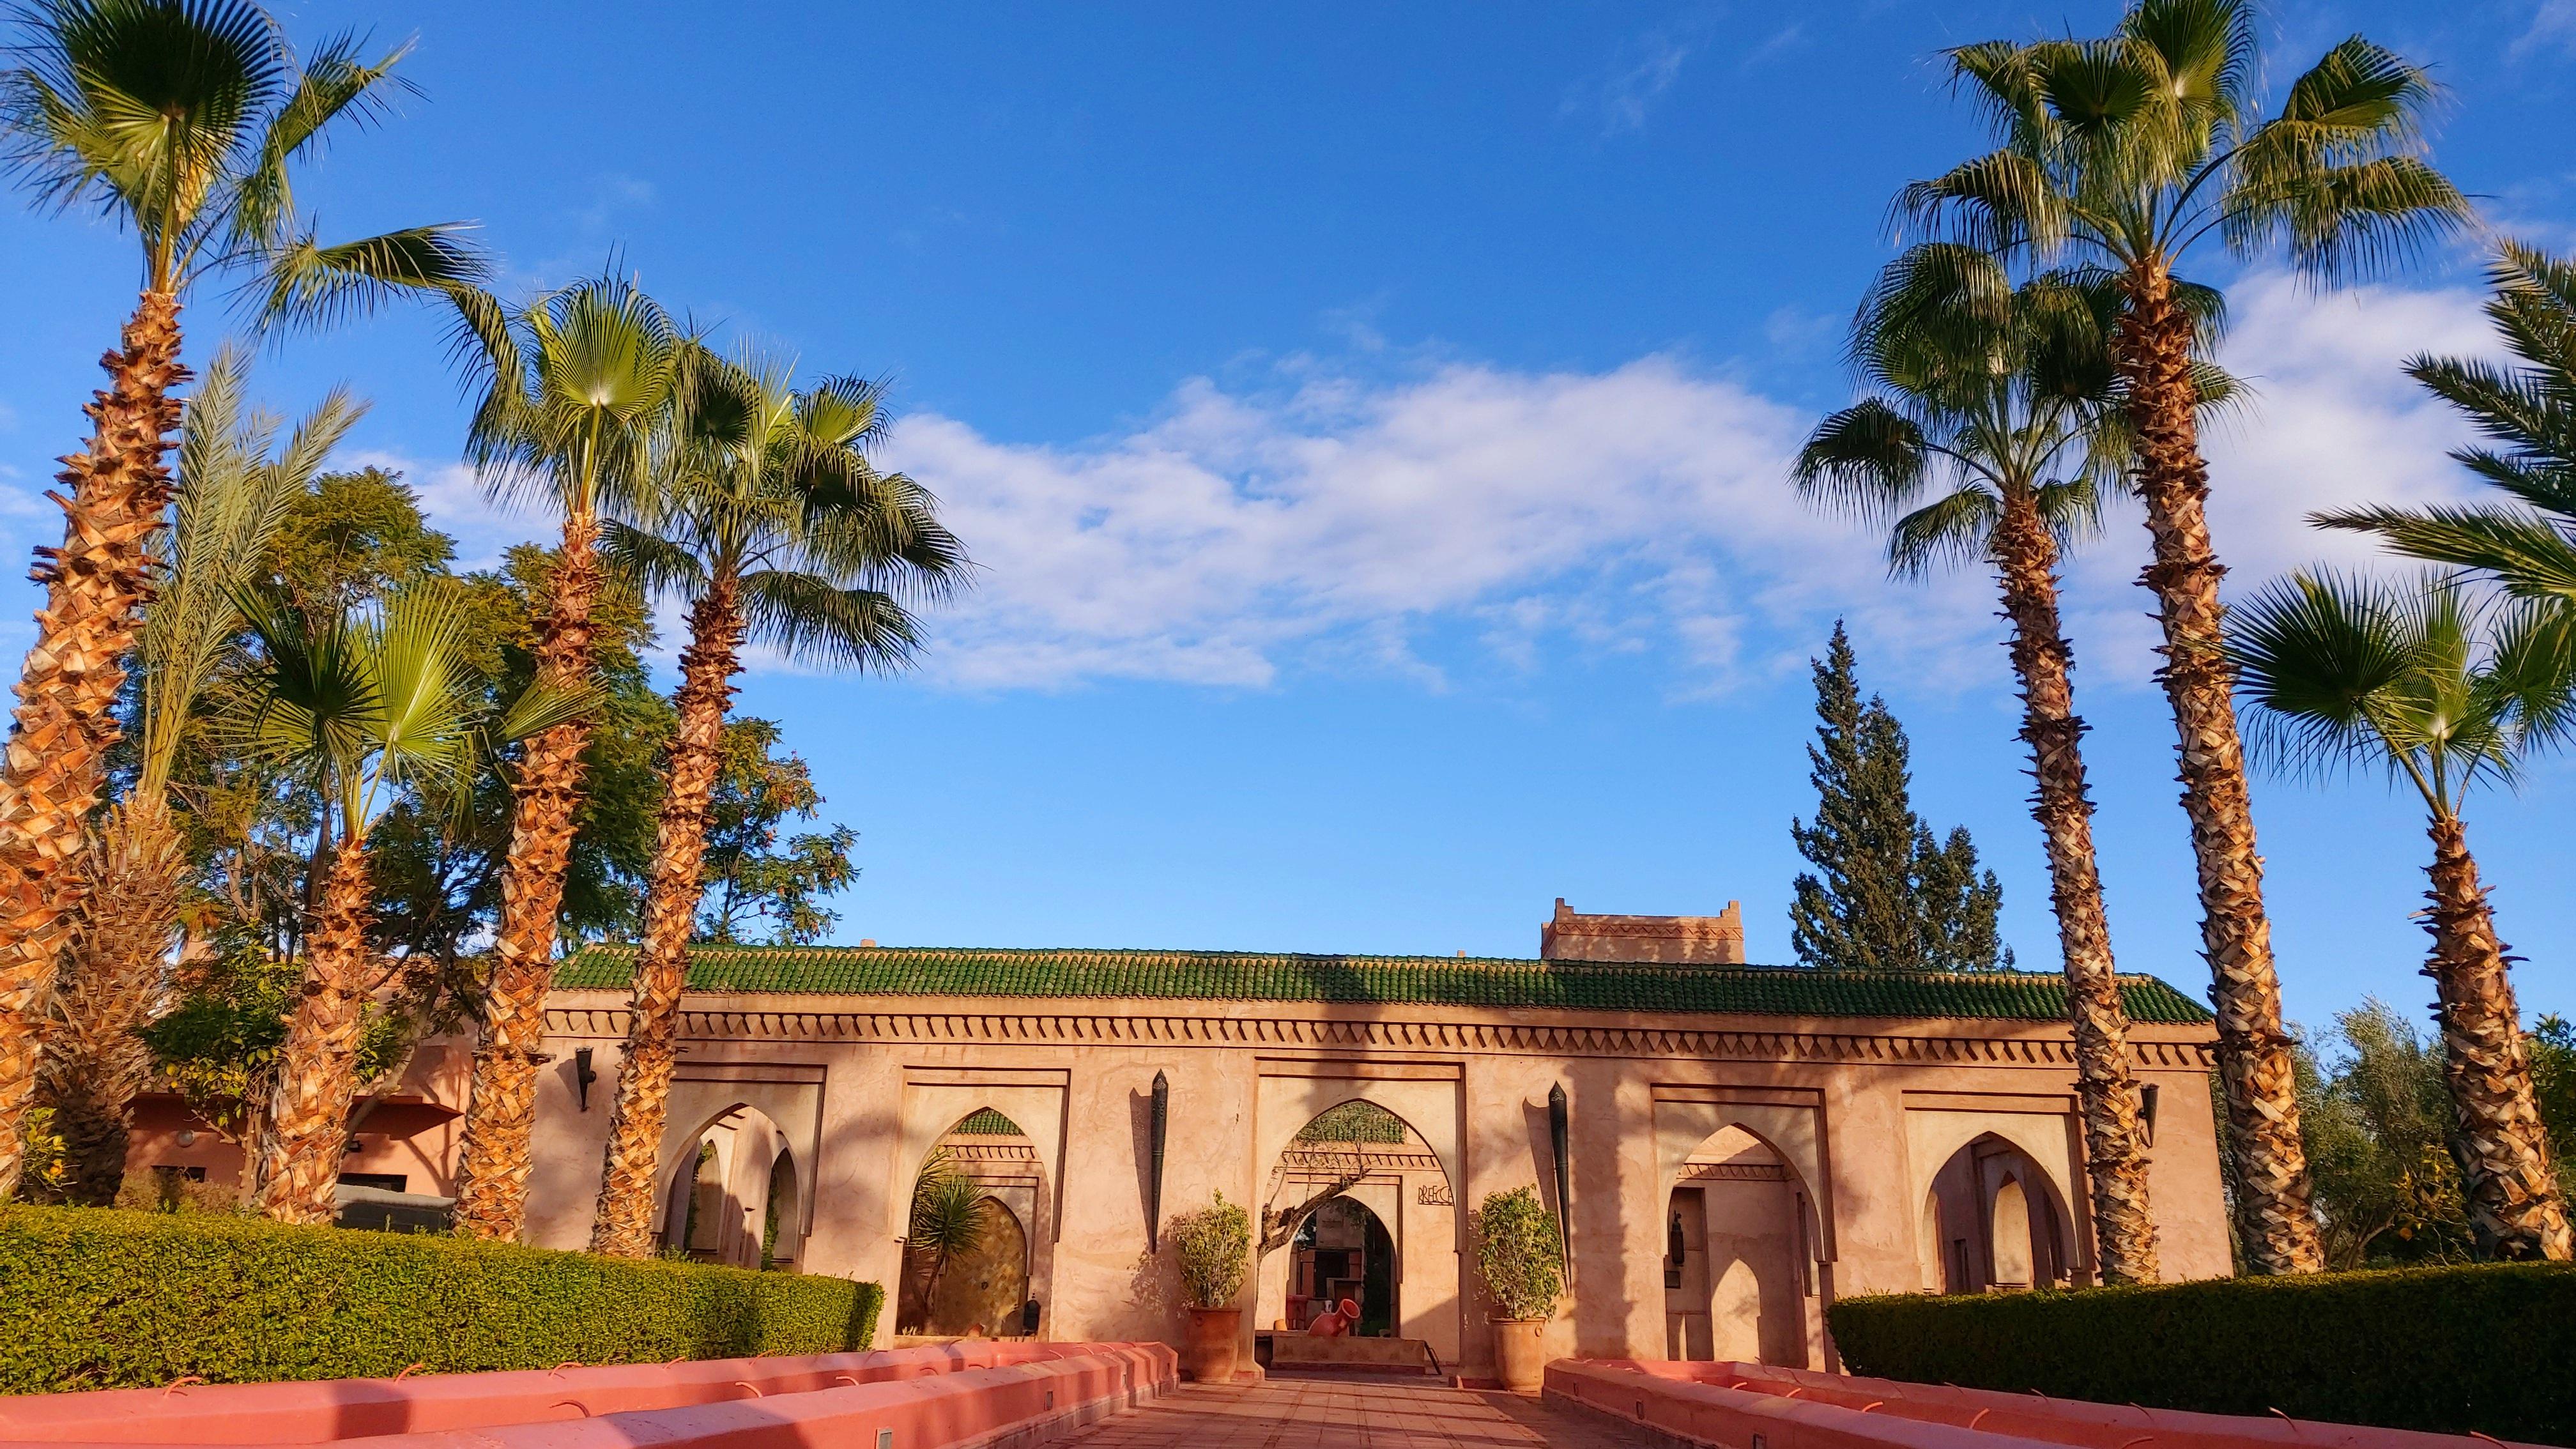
column 2044, row 1139
column 1002, row 1165
column 724, row 1170
column 1993, row 1219
column 1401, row 1177
column 1737, row 1273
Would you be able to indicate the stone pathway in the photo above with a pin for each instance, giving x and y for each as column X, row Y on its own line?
column 1343, row 1413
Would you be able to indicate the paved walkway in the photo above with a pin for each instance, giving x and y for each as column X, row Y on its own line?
column 1322, row 1413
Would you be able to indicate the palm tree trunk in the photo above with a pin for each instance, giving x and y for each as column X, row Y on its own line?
column 624, row 1224
column 492, row 1169
column 95, row 1061
column 2516, row 1209
column 2275, row 1222
column 95, row 586
column 2114, row 1146
column 317, row 1069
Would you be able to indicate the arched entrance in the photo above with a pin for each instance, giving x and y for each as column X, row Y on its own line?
column 732, row 1194
column 1737, row 1284
column 1994, row 1220
column 967, row 1249
column 1343, row 1252
column 1359, row 1206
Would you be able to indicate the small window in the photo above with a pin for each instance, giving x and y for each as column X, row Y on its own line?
column 381, row 1181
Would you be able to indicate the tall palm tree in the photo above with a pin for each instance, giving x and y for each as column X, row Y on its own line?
column 2527, row 546
column 182, row 120
column 2130, row 151
column 1993, row 433
column 236, row 488
column 2343, row 670
column 366, row 706
column 575, row 386
column 778, row 531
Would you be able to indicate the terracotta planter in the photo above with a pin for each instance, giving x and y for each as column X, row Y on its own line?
column 1214, row 1345
column 1520, row 1353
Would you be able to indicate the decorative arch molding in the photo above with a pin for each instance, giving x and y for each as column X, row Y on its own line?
column 786, row 1096
column 2044, row 1129
column 1212, row 1028
column 1788, row 1121
column 937, row 1099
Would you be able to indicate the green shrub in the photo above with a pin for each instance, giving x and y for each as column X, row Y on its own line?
column 94, row 1298
column 1517, row 1253
column 2483, row 1347
column 1212, row 1245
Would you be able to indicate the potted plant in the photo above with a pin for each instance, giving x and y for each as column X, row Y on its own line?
column 1212, row 1245
column 1517, row 1253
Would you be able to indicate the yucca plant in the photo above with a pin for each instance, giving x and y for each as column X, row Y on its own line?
column 2129, row 152
column 2443, row 693
column 184, row 122
column 948, row 1220
column 237, row 486
column 365, row 705
column 776, row 529
column 575, row 386
column 1993, row 433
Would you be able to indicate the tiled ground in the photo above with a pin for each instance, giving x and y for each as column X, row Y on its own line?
column 1321, row 1413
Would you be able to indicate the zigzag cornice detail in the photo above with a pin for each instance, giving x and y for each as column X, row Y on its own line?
column 1534, row 1038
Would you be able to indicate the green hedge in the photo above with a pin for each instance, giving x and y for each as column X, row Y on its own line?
column 2485, row 1348
column 95, row 1298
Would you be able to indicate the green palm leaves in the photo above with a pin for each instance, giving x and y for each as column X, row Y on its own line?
column 2133, row 147
column 1987, row 390
column 573, row 387
column 185, row 119
column 2440, row 689
column 376, row 701
column 2528, row 414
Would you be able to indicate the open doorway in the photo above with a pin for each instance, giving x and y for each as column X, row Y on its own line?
column 1343, row 1251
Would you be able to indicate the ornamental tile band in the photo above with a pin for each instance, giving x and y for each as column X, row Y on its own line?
column 1494, row 982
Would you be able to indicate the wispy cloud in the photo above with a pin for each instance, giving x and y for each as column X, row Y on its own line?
column 2553, row 27
column 1618, row 97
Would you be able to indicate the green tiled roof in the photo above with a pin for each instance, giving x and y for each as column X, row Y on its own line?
column 1409, row 980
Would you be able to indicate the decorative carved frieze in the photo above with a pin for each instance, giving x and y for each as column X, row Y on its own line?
column 1508, row 1038
column 1435, row 1194
column 1733, row 1172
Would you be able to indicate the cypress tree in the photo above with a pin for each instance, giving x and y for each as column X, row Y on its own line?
column 1884, row 895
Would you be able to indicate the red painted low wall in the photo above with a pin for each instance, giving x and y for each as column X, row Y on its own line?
column 929, row 1397
column 1730, row 1403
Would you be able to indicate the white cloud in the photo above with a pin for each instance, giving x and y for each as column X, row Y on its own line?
column 1340, row 524
column 2553, row 26
column 1620, row 95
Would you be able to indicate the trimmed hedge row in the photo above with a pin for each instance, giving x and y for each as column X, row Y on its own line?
column 94, row 1298
column 2483, row 1348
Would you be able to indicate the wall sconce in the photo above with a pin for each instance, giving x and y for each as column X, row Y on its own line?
column 583, row 1074
column 187, row 1137
column 2147, row 1113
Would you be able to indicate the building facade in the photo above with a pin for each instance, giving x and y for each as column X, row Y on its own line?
column 1744, row 1144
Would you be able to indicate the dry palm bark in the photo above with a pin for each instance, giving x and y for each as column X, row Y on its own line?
column 2275, row 1223
column 317, row 1070
column 2114, row 1146
column 2516, row 1209
column 95, row 587
column 492, row 1171
column 95, row 1063
column 624, row 1225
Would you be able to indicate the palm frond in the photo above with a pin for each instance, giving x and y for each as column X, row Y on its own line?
column 2528, row 556
column 1868, row 460
column 308, row 284
column 335, row 85
column 802, row 614
column 1952, row 528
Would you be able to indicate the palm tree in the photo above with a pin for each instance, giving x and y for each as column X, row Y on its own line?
column 2528, row 546
column 235, row 490
column 2131, row 150
column 365, row 706
column 2342, row 670
column 575, row 386
column 183, row 120
column 777, row 531
column 1994, row 432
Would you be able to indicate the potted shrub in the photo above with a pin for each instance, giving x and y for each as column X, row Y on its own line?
column 1212, row 1245
column 1517, row 1253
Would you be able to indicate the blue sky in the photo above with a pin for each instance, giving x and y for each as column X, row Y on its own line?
column 1370, row 419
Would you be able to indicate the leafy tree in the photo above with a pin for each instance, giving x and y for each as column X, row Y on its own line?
column 240, row 484
column 576, row 387
column 363, row 706
column 775, row 528
column 750, row 878
column 2426, row 685
column 2129, row 151
column 182, row 121
column 1885, row 897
